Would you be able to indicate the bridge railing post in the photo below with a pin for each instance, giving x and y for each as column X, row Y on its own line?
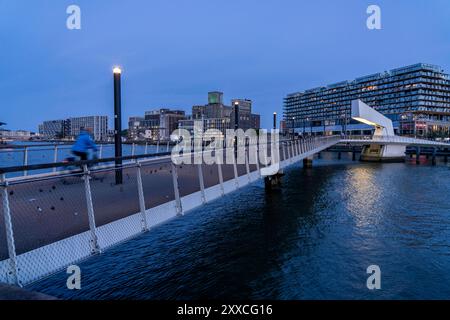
column 90, row 210
column 257, row 159
column 219, row 171
column 288, row 153
column 55, row 157
column 25, row 160
column 140, row 187
column 291, row 154
column 13, row 272
column 176, row 190
column 247, row 160
column 293, row 150
column 236, row 182
column 202, row 182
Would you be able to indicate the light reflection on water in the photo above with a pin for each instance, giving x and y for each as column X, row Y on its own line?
column 313, row 239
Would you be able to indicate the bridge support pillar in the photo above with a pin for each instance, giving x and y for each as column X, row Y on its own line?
column 339, row 155
column 273, row 182
column 353, row 154
column 383, row 153
column 308, row 162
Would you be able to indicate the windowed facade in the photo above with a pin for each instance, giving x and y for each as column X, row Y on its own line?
column 416, row 98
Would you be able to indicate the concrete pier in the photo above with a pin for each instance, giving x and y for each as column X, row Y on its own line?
column 353, row 154
column 273, row 182
column 308, row 162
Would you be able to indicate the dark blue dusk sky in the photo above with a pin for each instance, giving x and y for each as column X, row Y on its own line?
column 174, row 51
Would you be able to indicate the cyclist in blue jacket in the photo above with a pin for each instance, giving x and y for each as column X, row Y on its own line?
column 83, row 144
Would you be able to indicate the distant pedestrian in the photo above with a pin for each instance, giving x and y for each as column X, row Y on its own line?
column 83, row 144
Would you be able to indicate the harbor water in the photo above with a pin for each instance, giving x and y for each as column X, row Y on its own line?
column 312, row 239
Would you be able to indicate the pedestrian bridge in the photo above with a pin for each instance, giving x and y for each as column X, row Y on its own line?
column 56, row 219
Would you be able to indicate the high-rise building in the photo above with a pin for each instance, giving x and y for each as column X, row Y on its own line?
column 98, row 125
column 54, row 129
column 247, row 120
column 215, row 97
column 215, row 108
column 216, row 115
column 155, row 125
column 416, row 98
column 70, row 128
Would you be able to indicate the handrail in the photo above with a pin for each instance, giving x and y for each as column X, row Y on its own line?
column 82, row 197
column 78, row 163
column 399, row 139
column 54, row 165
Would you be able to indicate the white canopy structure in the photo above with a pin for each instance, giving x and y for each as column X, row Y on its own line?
column 363, row 113
column 377, row 151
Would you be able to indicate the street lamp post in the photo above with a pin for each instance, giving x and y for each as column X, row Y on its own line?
column 293, row 128
column 118, row 124
column 236, row 126
column 274, row 120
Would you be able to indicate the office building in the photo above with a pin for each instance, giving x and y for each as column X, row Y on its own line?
column 156, row 125
column 54, row 129
column 217, row 115
column 98, row 125
column 247, row 120
column 416, row 98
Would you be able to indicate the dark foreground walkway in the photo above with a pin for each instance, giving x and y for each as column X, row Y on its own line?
column 8, row 292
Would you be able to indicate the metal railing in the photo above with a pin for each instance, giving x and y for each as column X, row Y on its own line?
column 54, row 220
column 396, row 140
column 54, row 153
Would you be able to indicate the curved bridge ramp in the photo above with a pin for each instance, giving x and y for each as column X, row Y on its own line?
column 54, row 220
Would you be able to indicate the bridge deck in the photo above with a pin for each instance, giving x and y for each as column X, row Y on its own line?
column 52, row 226
column 396, row 140
column 50, row 217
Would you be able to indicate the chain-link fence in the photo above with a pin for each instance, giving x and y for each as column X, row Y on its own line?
column 24, row 155
column 55, row 220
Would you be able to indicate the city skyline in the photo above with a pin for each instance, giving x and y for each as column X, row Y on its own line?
column 69, row 73
column 255, row 152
